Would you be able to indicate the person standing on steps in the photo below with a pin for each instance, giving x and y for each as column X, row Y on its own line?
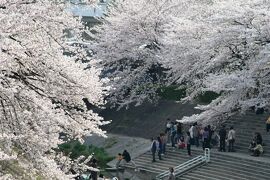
column 222, row 139
column 153, row 149
column 168, row 130
column 211, row 132
column 231, row 139
column 173, row 133
column 205, row 136
column 188, row 139
column 163, row 143
column 191, row 130
column 196, row 134
column 159, row 147
column 178, row 131
column 171, row 175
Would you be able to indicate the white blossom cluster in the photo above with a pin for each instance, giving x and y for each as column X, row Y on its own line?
column 205, row 45
column 42, row 90
column 128, row 45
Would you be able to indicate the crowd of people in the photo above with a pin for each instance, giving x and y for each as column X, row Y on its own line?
column 196, row 135
column 206, row 137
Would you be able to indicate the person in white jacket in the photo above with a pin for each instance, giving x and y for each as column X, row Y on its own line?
column 231, row 139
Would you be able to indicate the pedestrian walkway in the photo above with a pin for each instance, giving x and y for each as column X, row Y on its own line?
column 223, row 166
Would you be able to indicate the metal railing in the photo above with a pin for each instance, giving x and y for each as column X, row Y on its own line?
column 187, row 165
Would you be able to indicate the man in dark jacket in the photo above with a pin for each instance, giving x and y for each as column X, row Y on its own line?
column 127, row 158
column 222, row 135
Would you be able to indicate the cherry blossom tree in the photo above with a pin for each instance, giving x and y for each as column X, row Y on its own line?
column 128, row 45
column 227, row 54
column 220, row 46
column 42, row 90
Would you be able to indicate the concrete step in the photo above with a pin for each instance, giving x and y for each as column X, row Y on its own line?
column 237, row 169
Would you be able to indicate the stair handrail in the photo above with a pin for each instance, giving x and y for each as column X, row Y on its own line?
column 187, row 165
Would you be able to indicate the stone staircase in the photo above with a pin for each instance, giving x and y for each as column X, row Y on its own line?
column 237, row 165
column 172, row 158
column 245, row 127
column 223, row 165
column 228, row 166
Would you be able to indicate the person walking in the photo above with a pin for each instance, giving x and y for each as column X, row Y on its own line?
column 231, row 139
column 171, row 175
column 153, row 149
column 188, row 139
column 127, row 158
column 222, row 139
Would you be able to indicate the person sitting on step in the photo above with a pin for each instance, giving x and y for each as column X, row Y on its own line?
column 181, row 143
column 257, row 151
